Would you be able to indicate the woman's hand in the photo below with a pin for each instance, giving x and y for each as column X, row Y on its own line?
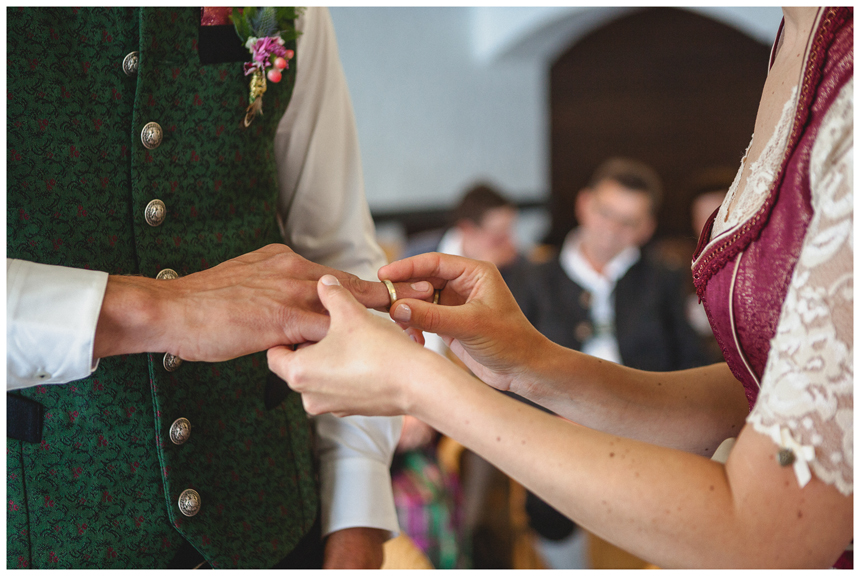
column 364, row 365
column 477, row 318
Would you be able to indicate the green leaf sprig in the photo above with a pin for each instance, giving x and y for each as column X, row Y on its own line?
column 267, row 21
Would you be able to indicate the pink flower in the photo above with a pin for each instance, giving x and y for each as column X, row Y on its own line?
column 262, row 50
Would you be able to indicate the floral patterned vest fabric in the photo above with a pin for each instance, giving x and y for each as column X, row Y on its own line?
column 102, row 488
column 743, row 278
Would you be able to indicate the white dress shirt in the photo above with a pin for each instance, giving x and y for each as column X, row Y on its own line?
column 603, row 344
column 52, row 311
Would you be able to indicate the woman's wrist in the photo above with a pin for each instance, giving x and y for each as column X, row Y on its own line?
column 534, row 376
column 429, row 373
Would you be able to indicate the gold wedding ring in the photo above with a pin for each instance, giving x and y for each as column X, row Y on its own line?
column 436, row 295
column 392, row 294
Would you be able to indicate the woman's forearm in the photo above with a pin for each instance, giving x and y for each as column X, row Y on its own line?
column 692, row 410
column 664, row 505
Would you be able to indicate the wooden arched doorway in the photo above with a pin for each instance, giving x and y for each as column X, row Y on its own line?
column 666, row 86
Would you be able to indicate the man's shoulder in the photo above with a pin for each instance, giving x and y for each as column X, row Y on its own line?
column 545, row 280
column 651, row 264
column 651, row 277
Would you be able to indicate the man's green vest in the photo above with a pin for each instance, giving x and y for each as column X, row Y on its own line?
column 103, row 488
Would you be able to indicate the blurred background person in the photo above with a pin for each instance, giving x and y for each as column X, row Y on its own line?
column 429, row 495
column 483, row 227
column 706, row 201
column 705, row 189
column 605, row 296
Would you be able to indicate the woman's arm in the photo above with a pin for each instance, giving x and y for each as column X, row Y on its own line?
column 669, row 507
column 664, row 505
column 692, row 410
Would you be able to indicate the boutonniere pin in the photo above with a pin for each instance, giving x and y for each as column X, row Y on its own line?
column 264, row 32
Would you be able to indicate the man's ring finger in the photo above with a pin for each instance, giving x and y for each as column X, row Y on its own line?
column 392, row 294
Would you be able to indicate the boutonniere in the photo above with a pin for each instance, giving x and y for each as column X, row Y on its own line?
column 264, row 32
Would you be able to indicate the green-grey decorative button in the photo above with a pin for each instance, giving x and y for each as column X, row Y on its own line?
column 167, row 274
column 189, row 502
column 180, row 431
column 171, row 363
column 130, row 63
column 155, row 212
column 151, row 135
column 583, row 331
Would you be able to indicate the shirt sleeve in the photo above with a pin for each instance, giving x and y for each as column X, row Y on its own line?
column 324, row 217
column 806, row 403
column 51, row 317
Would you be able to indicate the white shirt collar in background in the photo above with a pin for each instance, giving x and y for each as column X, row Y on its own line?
column 580, row 271
column 451, row 242
column 601, row 286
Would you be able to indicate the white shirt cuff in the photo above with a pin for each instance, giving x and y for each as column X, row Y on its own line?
column 51, row 317
column 355, row 478
column 357, row 492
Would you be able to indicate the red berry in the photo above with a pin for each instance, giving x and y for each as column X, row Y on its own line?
column 290, row 54
column 280, row 63
column 273, row 75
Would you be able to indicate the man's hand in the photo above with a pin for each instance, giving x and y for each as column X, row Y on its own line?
column 254, row 302
column 355, row 548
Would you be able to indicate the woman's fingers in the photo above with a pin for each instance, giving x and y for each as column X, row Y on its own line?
column 429, row 266
column 335, row 374
column 415, row 334
column 279, row 358
column 340, row 302
column 428, row 317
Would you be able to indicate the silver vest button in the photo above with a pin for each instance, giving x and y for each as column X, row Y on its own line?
column 583, row 331
column 151, row 135
column 171, row 362
column 130, row 63
column 180, row 431
column 155, row 212
column 585, row 299
column 167, row 274
column 189, row 502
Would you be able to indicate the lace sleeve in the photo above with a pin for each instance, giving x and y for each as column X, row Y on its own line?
column 806, row 402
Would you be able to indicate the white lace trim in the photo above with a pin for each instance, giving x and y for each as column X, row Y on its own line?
column 761, row 175
column 806, row 401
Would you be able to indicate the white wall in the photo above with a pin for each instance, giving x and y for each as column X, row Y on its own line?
column 446, row 96
column 431, row 119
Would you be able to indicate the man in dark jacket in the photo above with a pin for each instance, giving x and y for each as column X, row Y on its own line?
column 605, row 297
